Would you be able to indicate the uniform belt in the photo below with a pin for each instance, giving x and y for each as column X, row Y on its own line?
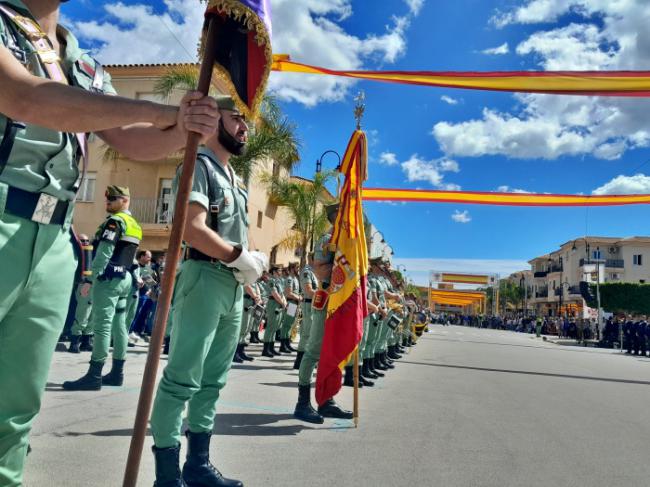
column 193, row 254
column 38, row 207
column 307, row 300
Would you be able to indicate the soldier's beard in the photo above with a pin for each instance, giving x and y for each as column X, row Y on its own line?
column 230, row 143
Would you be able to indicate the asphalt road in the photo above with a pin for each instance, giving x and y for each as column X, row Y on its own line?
column 466, row 407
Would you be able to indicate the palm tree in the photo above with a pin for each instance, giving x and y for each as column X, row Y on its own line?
column 305, row 202
column 273, row 137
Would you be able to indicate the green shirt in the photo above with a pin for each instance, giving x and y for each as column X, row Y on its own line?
column 307, row 276
column 218, row 189
column 107, row 235
column 43, row 160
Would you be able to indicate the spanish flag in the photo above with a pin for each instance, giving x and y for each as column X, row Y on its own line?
column 346, row 307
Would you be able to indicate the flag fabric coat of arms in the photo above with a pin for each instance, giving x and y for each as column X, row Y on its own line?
column 244, row 55
column 346, row 307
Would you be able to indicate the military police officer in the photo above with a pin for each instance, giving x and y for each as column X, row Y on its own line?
column 116, row 243
column 42, row 122
column 208, row 302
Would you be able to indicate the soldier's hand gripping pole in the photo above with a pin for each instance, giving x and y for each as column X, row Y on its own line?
column 173, row 257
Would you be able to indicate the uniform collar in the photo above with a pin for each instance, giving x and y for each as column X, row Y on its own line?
column 226, row 168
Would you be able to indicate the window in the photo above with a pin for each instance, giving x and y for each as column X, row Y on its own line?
column 637, row 259
column 260, row 217
column 87, row 189
column 164, row 202
column 596, row 254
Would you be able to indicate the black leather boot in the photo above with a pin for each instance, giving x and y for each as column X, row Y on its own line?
column 283, row 346
column 92, row 381
column 362, row 380
column 86, row 344
column 366, row 372
column 255, row 338
column 198, row 471
column 266, row 351
column 166, row 346
column 116, row 376
column 244, row 355
column 296, row 364
column 304, row 411
column 349, row 377
column 373, row 368
column 392, row 353
column 237, row 358
column 168, row 473
column 384, row 359
column 379, row 365
column 74, row 344
column 291, row 349
column 329, row 409
column 273, row 350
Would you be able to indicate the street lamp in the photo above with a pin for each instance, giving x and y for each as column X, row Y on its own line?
column 319, row 168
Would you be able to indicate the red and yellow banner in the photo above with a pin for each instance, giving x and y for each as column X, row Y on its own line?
column 346, row 307
column 506, row 199
column 593, row 83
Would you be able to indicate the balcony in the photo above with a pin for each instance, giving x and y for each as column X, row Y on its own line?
column 611, row 263
column 151, row 210
column 542, row 293
column 540, row 274
column 574, row 290
column 555, row 268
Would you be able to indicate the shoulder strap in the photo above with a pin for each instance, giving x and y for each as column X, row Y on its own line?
column 213, row 210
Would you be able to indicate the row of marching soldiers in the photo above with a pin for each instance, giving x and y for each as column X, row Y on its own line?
column 279, row 306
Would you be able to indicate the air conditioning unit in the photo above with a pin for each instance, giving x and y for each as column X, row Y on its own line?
column 613, row 250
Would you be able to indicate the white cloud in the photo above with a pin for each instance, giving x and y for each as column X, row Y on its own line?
column 415, row 6
column 637, row 184
column 604, row 35
column 418, row 169
column 449, row 100
column 461, row 216
column 419, row 269
column 508, row 189
column 309, row 30
column 496, row 51
column 388, row 159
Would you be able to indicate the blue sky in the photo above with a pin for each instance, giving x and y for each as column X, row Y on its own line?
column 440, row 138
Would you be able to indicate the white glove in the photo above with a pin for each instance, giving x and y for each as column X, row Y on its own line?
column 248, row 266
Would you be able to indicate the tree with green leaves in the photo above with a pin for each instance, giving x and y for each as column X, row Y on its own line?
column 622, row 298
column 305, row 201
column 272, row 137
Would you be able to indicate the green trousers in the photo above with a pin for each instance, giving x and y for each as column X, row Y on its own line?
column 305, row 326
column 374, row 325
column 110, row 298
column 287, row 324
column 362, row 343
column 312, row 350
column 131, row 308
column 80, row 325
column 38, row 265
column 273, row 320
column 208, row 304
column 246, row 318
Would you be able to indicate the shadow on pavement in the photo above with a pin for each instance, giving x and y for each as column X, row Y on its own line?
column 559, row 348
column 524, row 372
column 256, row 367
column 232, row 424
column 291, row 385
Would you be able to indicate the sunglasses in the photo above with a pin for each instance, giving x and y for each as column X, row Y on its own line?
column 84, row 241
column 113, row 198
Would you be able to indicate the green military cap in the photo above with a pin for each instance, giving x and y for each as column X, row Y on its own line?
column 225, row 102
column 375, row 260
column 114, row 190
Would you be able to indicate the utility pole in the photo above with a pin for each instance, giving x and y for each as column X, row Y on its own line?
column 598, row 293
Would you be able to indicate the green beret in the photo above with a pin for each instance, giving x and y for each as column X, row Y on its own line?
column 117, row 191
column 225, row 102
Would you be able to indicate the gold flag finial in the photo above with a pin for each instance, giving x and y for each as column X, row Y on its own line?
column 359, row 107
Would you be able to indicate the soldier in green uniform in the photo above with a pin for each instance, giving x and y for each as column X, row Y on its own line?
column 293, row 298
column 116, row 243
column 251, row 299
column 264, row 291
column 308, row 286
column 274, row 311
column 348, row 379
column 208, row 302
column 322, row 267
column 81, row 333
column 42, row 122
column 377, row 298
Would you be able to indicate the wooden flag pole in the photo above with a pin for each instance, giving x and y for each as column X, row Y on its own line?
column 173, row 257
column 356, row 388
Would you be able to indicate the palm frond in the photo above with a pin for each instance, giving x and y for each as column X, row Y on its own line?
column 177, row 78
